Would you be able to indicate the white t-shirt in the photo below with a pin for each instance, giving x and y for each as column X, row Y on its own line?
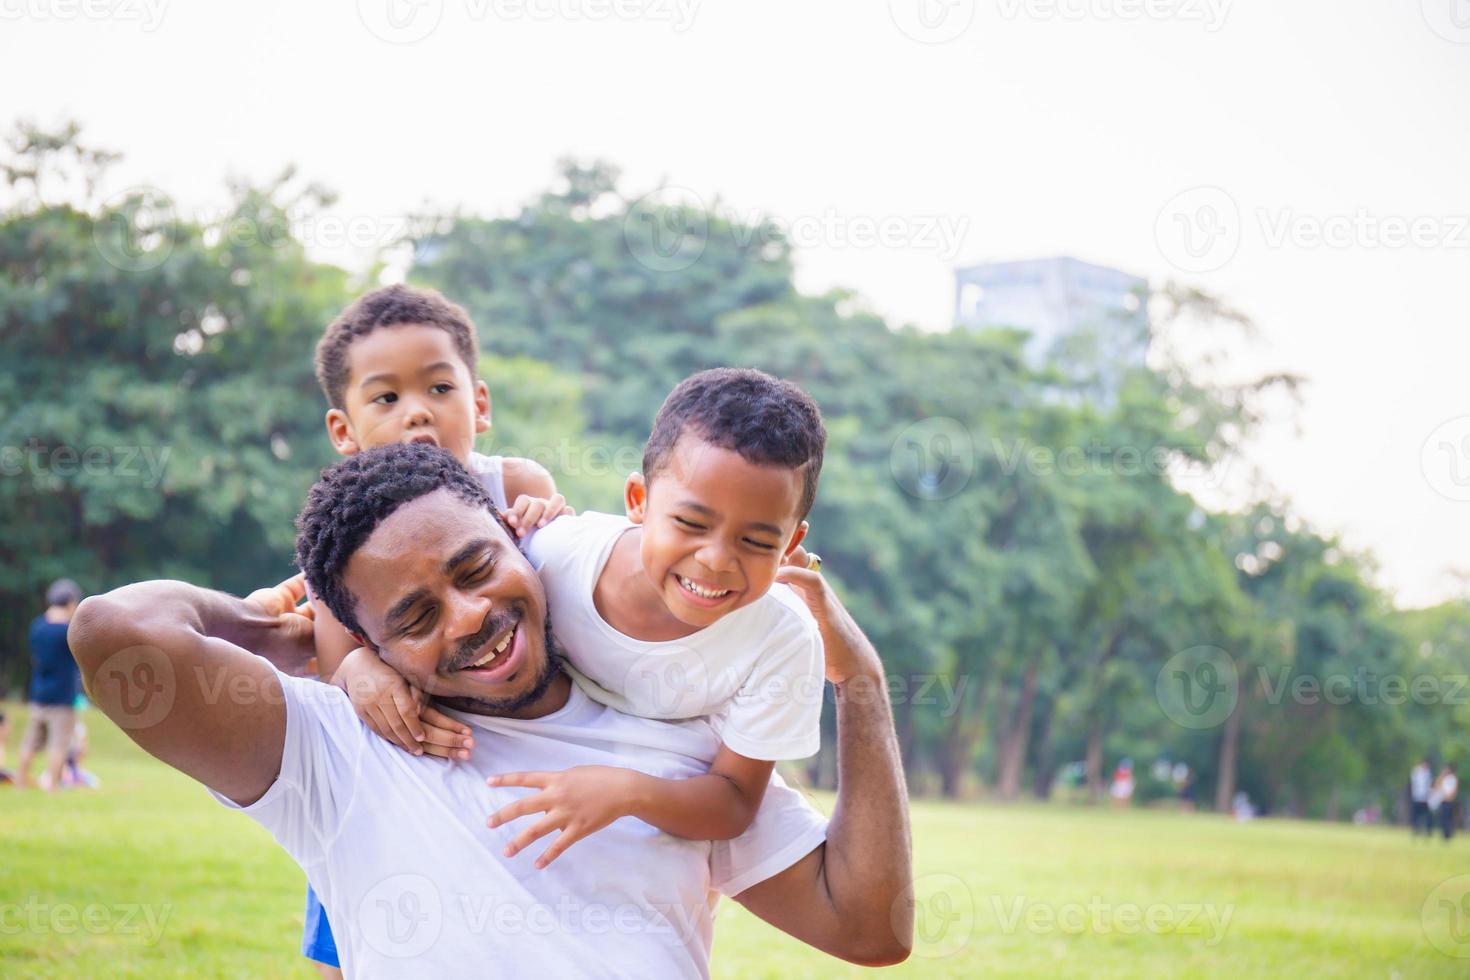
column 489, row 470
column 756, row 673
column 415, row 884
column 1419, row 780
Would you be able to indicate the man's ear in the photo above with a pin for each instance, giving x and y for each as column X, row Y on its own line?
column 796, row 538
column 635, row 497
column 339, row 430
column 482, row 407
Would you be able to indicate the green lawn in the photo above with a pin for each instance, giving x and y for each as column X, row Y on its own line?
column 148, row 877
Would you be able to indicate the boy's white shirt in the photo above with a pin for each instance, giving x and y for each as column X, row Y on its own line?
column 756, row 674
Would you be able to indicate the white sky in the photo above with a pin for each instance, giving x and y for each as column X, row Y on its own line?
column 1044, row 127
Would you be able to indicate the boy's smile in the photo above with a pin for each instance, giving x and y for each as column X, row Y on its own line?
column 408, row 383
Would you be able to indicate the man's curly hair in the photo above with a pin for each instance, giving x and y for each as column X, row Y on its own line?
column 357, row 494
column 768, row 421
column 390, row 306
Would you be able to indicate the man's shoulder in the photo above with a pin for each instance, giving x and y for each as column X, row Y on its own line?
column 785, row 611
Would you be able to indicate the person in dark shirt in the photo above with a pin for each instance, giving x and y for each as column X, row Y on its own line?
column 55, row 683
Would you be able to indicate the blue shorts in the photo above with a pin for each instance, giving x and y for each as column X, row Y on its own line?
column 316, row 939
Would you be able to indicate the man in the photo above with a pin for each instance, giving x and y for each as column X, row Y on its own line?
column 54, row 684
column 1420, row 778
column 397, row 845
column 1446, row 788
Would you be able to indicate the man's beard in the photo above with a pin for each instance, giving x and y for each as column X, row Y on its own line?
column 551, row 668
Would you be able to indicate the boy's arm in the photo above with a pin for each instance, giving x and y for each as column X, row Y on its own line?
column 333, row 642
column 718, row 805
column 173, row 665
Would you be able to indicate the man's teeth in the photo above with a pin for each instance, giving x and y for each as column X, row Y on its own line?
column 703, row 593
column 498, row 649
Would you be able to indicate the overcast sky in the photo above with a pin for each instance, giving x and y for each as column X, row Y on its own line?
column 1308, row 161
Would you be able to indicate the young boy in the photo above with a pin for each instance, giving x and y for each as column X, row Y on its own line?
column 400, row 365
column 670, row 612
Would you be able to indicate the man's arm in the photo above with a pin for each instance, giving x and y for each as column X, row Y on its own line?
column 851, row 897
column 169, row 663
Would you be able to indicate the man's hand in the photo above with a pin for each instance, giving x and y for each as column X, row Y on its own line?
column 577, row 801
column 848, row 652
column 399, row 712
column 529, row 513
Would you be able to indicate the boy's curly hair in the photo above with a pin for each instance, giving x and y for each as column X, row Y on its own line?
column 357, row 494
column 389, row 307
column 768, row 421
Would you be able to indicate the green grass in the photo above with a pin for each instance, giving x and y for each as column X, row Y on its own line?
column 1004, row 891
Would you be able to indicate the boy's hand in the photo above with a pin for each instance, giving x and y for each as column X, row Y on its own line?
column 399, row 712
column 529, row 513
column 577, row 801
column 284, row 603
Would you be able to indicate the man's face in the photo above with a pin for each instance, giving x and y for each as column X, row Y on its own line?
column 450, row 603
column 407, row 383
column 715, row 528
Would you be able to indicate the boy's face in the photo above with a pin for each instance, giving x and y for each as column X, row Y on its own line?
column 715, row 528
column 407, row 383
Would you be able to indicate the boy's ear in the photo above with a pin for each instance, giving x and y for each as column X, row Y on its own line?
column 796, row 538
column 635, row 497
column 482, row 407
column 339, row 430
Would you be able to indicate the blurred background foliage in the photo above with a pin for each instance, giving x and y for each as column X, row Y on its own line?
column 160, row 418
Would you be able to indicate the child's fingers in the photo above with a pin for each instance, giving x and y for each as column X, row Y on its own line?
column 531, row 834
column 408, row 712
column 563, row 841
column 550, row 509
column 444, row 751
column 400, row 731
column 535, row 780
column 433, row 716
column 535, row 803
column 439, row 741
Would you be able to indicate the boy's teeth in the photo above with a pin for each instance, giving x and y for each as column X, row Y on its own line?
column 702, row 592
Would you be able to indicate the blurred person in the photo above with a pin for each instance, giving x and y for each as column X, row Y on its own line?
column 1122, row 787
column 5, row 775
column 55, row 683
column 1446, row 789
column 1421, row 777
